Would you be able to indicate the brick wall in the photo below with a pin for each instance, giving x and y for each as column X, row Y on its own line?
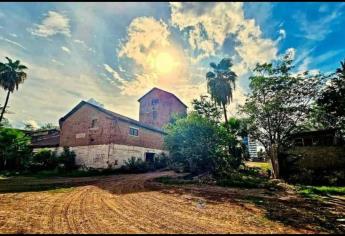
column 166, row 106
column 76, row 131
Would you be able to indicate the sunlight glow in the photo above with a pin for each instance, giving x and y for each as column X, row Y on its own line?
column 164, row 62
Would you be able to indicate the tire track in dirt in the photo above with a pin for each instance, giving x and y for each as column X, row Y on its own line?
column 131, row 204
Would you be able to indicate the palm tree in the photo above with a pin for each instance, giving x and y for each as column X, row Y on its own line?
column 11, row 75
column 341, row 71
column 221, row 83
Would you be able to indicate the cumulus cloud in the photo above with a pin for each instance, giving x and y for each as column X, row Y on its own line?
column 53, row 24
column 66, row 49
column 150, row 47
column 206, row 28
column 209, row 25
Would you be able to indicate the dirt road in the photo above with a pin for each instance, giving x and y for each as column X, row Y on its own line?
column 135, row 204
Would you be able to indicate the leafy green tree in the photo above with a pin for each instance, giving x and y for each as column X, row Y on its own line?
column 14, row 149
column 198, row 144
column 332, row 99
column 11, row 75
column 221, row 83
column 5, row 123
column 207, row 108
column 279, row 104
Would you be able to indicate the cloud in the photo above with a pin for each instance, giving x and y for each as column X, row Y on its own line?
column 114, row 73
column 53, row 24
column 282, row 34
column 57, row 62
column 65, row 49
column 318, row 29
column 158, row 61
column 12, row 42
column 82, row 43
column 209, row 25
column 206, row 27
column 145, row 34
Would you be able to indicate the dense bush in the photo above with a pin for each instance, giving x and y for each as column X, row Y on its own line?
column 161, row 161
column 14, row 149
column 200, row 145
column 44, row 160
column 135, row 165
column 67, row 159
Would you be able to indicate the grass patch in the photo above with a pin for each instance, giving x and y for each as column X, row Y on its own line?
column 250, row 177
column 265, row 166
column 175, row 181
column 315, row 191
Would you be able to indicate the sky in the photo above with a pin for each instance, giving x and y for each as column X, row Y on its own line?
column 113, row 53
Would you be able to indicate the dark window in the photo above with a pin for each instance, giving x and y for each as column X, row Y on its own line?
column 154, row 102
column 94, row 123
column 154, row 115
column 133, row 131
column 308, row 141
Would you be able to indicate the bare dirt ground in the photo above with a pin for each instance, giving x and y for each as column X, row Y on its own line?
column 136, row 204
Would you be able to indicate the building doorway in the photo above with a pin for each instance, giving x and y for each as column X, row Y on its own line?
column 150, row 157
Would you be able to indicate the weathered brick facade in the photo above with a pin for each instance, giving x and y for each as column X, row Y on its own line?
column 104, row 139
column 158, row 106
column 76, row 130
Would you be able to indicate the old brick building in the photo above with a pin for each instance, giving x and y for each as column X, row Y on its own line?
column 102, row 138
column 158, row 106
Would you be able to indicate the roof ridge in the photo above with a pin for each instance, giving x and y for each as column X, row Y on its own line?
column 111, row 113
column 165, row 92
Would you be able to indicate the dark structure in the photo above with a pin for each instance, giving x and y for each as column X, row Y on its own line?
column 44, row 138
column 314, row 157
column 328, row 137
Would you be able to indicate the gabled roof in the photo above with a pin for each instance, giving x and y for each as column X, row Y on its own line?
column 110, row 113
column 164, row 92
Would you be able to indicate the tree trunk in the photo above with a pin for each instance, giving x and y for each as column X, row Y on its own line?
column 226, row 118
column 274, row 160
column 4, row 108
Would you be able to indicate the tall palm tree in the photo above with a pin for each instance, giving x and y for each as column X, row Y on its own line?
column 221, row 84
column 11, row 75
column 341, row 71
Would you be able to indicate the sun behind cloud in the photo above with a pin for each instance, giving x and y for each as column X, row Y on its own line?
column 164, row 63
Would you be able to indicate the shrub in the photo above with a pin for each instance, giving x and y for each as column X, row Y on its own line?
column 135, row 165
column 67, row 159
column 45, row 158
column 14, row 149
column 161, row 161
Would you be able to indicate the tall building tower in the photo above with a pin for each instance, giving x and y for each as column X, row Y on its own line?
column 158, row 106
column 252, row 146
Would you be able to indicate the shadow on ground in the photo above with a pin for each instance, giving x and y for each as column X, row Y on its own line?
column 289, row 209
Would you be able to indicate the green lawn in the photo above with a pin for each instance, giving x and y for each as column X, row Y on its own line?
column 262, row 165
column 315, row 191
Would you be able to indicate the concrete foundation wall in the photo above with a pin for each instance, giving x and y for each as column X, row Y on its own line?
column 107, row 155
